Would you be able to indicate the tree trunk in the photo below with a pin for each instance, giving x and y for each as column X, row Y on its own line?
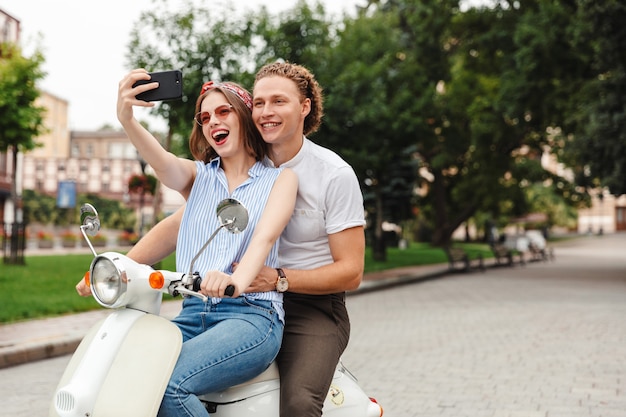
column 18, row 234
column 379, row 249
column 441, row 213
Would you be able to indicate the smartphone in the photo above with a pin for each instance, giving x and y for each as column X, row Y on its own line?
column 170, row 86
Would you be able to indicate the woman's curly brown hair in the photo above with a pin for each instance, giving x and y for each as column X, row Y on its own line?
column 307, row 86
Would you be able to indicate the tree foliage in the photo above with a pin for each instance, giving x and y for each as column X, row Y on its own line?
column 597, row 145
column 142, row 184
column 21, row 121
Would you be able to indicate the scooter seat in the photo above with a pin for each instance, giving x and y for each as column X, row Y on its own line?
column 270, row 373
column 266, row 382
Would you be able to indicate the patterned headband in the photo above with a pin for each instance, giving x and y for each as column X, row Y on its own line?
column 238, row 91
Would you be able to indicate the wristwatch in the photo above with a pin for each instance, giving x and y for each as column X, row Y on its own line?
column 282, row 284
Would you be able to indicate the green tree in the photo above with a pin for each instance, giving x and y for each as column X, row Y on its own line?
column 21, row 121
column 598, row 116
column 368, row 99
column 302, row 34
column 506, row 91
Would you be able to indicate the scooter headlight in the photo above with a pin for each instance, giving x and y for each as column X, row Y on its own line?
column 108, row 282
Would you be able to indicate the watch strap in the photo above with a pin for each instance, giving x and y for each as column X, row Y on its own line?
column 281, row 273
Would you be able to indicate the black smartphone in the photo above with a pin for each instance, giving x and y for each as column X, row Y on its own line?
column 170, row 86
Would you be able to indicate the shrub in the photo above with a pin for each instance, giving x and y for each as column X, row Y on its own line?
column 41, row 235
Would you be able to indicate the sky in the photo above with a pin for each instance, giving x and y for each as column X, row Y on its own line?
column 84, row 44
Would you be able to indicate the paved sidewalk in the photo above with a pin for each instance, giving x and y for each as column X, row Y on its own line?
column 33, row 340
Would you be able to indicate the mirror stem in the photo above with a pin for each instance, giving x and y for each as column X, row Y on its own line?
column 82, row 230
column 193, row 261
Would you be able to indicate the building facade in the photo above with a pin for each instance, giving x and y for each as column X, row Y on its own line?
column 98, row 162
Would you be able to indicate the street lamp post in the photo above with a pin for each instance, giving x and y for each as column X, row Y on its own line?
column 601, row 204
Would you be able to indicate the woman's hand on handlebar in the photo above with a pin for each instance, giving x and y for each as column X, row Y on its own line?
column 215, row 284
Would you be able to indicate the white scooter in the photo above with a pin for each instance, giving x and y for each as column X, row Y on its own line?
column 123, row 364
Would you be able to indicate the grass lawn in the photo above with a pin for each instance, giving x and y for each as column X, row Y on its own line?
column 45, row 286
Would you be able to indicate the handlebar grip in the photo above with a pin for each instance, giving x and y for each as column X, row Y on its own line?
column 196, row 284
column 230, row 290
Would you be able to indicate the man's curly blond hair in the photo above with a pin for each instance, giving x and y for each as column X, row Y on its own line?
column 307, row 86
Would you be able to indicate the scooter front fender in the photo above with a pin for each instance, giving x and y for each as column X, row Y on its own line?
column 121, row 368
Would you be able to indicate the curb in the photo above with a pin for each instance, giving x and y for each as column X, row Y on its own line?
column 402, row 279
column 32, row 352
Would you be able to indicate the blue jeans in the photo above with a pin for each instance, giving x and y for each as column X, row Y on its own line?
column 224, row 344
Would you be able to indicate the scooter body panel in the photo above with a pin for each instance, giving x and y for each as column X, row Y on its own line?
column 260, row 397
column 134, row 385
column 113, row 371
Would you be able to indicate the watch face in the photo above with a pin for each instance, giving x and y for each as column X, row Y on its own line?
column 282, row 285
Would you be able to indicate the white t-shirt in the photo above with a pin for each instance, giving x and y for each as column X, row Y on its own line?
column 329, row 200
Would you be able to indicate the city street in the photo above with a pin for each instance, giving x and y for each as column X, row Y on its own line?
column 541, row 340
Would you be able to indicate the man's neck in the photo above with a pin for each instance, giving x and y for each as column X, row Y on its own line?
column 283, row 152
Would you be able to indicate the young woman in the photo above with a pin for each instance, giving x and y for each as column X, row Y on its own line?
column 226, row 340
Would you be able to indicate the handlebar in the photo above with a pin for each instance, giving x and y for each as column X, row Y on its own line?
column 229, row 291
column 195, row 288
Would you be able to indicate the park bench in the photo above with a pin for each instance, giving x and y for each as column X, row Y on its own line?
column 459, row 260
column 505, row 256
column 540, row 254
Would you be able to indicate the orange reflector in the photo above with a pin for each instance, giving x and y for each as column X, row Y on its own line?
column 379, row 406
column 86, row 278
column 157, row 280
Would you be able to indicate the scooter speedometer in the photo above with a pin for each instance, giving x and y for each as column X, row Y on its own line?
column 108, row 282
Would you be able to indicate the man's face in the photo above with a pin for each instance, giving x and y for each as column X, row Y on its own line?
column 277, row 110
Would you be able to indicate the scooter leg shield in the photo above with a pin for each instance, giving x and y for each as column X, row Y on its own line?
column 121, row 368
column 139, row 375
column 73, row 364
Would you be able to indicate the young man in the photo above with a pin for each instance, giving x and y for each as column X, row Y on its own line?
column 321, row 251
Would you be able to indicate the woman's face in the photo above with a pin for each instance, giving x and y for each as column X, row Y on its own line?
column 220, row 125
column 277, row 109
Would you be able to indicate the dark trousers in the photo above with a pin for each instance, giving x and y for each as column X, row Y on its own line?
column 317, row 329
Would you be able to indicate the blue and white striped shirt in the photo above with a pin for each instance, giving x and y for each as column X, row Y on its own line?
column 200, row 221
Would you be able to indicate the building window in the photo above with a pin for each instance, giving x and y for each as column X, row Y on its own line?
column 89, row 150
column 75, row 150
